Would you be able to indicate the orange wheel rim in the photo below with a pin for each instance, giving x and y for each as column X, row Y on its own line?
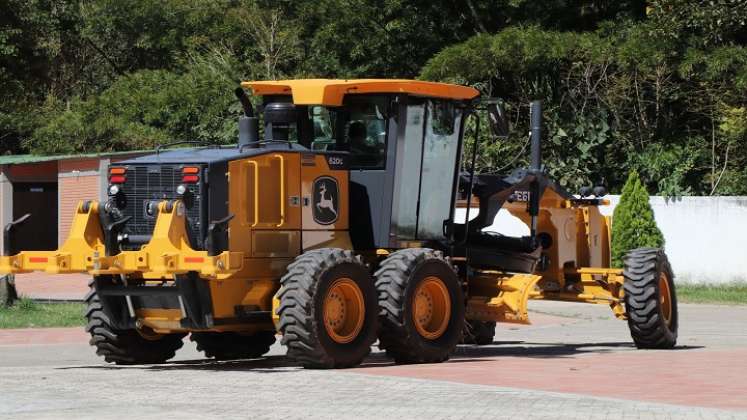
column 665, row 298
column 431, row 308
column 344, row 310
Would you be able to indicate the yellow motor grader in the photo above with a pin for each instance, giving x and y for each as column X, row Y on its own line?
column 337, row 227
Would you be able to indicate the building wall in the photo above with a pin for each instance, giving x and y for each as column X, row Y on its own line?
column 32, row 172
column 29, row 172
column 704, row 236
column 78, row 180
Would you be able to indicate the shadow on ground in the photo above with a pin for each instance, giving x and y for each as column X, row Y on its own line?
column 464, row 353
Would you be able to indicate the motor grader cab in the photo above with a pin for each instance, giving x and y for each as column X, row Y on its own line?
column 336, row 227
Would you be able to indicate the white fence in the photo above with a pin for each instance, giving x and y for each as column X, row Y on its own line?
column 705, row 236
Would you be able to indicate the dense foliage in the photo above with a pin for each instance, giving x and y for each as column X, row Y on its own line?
column 657, row 86
column 634, row 224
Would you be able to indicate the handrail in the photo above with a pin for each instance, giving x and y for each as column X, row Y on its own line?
column 256, row 191
column 282, row 189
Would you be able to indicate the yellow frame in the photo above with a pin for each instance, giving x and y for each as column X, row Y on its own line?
column 167, row 254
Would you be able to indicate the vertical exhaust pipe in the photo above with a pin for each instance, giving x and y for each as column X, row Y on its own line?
column 248, row 131
column 248, row 123
column 535, row 114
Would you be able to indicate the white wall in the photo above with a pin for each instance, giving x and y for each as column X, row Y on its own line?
column 705, row 236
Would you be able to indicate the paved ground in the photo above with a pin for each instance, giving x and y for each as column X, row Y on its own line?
column 45, row 286
column 527, row 372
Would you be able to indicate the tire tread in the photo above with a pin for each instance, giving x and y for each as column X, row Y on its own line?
column 124, row 347
column 298, row 290
column 395, row 337
column 642, row 268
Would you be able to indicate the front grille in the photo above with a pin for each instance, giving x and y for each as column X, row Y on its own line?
column 146, row 183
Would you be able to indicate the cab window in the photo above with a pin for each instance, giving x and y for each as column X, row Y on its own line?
column 440, row 153
column 426, row 169
column 323, row 124
column 365, row 132
column 358, row 127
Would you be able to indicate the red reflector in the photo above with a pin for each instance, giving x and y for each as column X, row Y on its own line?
column 117, row 179
column 191, row 170
column 194, row 259
column 38, row 259
column 117, row 171
column 191, row 179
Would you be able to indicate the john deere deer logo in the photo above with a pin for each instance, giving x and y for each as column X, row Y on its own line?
column 325, row 200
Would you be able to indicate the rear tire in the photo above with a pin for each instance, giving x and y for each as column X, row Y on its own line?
column 481, row 333
column 126, row 347
column 407, row 333
column 650, row 299
column 328, row 309
column 232, row 346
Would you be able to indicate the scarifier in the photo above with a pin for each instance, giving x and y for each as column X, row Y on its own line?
column 338, row 227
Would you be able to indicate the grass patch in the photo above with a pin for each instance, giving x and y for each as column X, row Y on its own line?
column 26, row 313
column 730, row 293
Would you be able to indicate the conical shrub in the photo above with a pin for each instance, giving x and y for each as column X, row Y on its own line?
column 633, row 223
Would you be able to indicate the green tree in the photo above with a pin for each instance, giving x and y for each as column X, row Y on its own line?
column 146, row 108
column 36, row 52
column 701, row 23
column 659, row 86
column 633, row 223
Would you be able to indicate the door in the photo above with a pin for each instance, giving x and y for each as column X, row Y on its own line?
column 427, row 161
column 440, row 163
column 265, row 199
column 362, row 128
column 39, row 199
column 407, row 185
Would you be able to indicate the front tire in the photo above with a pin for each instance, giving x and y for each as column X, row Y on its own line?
column 126, row 347
column 650, row 299
column 328, row 309
column 422, row 306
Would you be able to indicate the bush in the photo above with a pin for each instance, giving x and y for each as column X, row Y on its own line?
column 141, row 110
column 633, row 224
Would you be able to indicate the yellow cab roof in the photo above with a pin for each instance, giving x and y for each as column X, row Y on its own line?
column 330, row 92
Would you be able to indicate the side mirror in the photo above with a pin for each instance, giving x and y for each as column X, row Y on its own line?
column 498, row 121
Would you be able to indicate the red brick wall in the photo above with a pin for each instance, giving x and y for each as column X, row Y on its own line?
column 82, row 165
column 74, row 187
column 79, row 179
column 33, row 172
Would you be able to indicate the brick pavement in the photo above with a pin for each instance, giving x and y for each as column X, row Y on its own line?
column 42, row 336
column 270, row 390
column 703, row 378
column 575, row 361
column 48, row 286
